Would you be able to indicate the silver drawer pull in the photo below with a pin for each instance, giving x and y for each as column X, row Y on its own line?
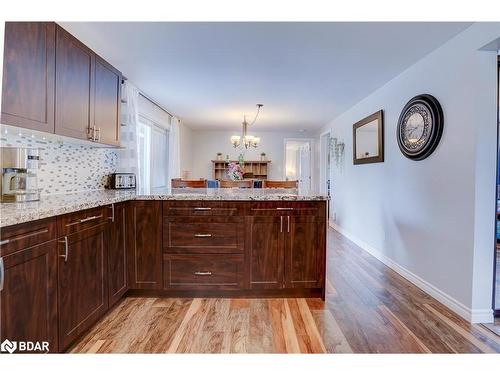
column 90, row 218
column 4, row 242
column 203, row 235
column 203, row 208
column 207, row 273
column 285, row 208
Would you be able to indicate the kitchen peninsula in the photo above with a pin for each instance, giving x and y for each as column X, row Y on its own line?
column 71, row 257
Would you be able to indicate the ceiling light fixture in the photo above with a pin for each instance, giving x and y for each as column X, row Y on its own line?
column 246, row 140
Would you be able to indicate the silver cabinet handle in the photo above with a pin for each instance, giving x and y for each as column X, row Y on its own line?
column 203, row 235
column 2, row 274
column 284, row 208
column 198, row 273
column 112, row 213
column 4, row 242
column 65, row 242
column 288, row 223
column 281, row 224
column 90, row 218
column 203, row 208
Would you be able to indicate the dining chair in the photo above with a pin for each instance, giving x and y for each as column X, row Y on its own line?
column 236, row 184
column 180, row 183
column 293, row 184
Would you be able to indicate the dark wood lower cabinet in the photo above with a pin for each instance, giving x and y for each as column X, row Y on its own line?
column 144, row 250
column 265, row 252
column 82, row 286
column 29, row 296
column 117, row 253
column 61, row 275
column 303, row 251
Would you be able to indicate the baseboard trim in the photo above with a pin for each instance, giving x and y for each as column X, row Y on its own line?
column 471, row 315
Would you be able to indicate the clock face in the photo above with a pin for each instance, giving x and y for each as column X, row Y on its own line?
column 416, row 127
column 419, row 127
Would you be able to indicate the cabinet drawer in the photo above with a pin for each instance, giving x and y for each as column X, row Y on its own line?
column 195, row 236
column 203, row 271
column 201, row 208
column 286, row 208
column 77, row 221
column 21, row 236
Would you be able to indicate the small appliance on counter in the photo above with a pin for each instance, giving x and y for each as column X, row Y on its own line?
column 121, row 181
column 19, row 180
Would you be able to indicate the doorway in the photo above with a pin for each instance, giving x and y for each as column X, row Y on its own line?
column 298, row 163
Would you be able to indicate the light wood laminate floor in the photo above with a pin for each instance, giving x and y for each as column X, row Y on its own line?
column 368, row 309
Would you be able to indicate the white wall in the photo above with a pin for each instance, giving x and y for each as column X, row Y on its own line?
column 206, row 144
column 186, row 148
column 432, row 220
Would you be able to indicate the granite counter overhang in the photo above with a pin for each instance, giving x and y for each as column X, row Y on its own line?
column 59, row 204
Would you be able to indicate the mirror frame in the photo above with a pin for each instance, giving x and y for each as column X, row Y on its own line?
column 379, row 116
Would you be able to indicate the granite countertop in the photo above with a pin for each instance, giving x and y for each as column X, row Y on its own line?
column 58, row 204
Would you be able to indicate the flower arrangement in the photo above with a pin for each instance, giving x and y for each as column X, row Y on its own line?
column 234, row 171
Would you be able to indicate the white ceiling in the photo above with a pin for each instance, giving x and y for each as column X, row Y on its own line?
column 305, row 74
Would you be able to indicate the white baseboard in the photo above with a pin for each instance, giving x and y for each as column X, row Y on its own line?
column 471, row 315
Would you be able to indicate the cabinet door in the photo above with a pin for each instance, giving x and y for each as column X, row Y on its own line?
column 303, row 252
column 28, row 75
column 107, row 103
column 29, row 295
column 144, row 233
column 266, row 252
column 82, row 290
column 117, row 266
column 74, row 86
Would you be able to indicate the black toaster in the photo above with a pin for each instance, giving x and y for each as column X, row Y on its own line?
column 121, row 181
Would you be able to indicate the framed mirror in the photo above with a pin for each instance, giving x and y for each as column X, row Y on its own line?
column 368, row 139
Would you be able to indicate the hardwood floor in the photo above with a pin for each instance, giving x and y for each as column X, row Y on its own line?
column 368, row 309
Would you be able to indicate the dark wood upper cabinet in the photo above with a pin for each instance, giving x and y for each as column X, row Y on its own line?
column 28, row 75
column 303, row 252
column 266, row 252
column 117, row 257
column 144, row 244
column 29, row 296
column 107, row 103
column 75, row 66
column 82, row 289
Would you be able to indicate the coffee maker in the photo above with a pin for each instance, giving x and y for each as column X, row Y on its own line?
column 19, row 180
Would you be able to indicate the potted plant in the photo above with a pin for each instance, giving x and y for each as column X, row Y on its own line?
column 262, row 156
column 219, row 156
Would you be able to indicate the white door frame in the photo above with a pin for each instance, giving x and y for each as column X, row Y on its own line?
column 323, row 177
column 311, row 162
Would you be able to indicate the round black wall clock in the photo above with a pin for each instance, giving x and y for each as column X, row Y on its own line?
column 420, row 127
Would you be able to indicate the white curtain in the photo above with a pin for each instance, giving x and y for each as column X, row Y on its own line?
column 174, row 154
column 129, row 159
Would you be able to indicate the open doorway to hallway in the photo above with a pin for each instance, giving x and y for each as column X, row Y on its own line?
column 298, row 162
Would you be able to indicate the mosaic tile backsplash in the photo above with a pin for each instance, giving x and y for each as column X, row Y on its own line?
column 66, row 167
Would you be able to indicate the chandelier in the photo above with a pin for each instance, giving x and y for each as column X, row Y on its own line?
column 246, row 140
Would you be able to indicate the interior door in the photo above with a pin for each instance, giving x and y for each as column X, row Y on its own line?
column 28, row 75
column 304, row 168
column 82, row 291
column 266, row 252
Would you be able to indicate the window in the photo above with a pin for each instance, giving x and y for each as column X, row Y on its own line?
column 152, row 138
